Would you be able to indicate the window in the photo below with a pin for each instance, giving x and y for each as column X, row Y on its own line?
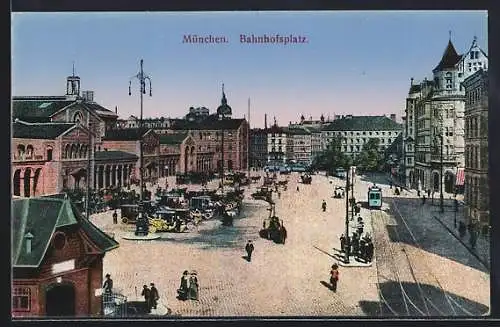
column 21, row 299
column 49, row 154
column 29, row 152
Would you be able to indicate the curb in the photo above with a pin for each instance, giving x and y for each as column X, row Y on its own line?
column 485, row 264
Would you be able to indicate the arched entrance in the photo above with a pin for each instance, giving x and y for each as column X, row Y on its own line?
column 16, row 182
column 27, row 182
column 60, row 300
column 449, row 181
column 436, row 182
column 36, row 180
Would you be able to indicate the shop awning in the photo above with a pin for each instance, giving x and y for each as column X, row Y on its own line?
column 460, row 177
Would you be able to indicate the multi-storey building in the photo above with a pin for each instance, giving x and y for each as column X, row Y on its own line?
column 301, row 138
column 258, row 147
column 315, row 141
column 277, row 144
column 208, row 132
column 439, row 135
column 355, row 131
column 476, row 148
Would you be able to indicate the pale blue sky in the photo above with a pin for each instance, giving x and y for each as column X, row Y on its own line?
column 354, row 62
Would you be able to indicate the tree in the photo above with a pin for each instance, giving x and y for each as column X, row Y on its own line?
column 332, row 157
column 370, row 157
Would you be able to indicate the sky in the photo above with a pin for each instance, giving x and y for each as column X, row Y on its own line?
column 356, row 62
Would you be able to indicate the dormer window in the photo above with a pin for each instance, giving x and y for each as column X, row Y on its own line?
column 29, row 238
column 78, row 117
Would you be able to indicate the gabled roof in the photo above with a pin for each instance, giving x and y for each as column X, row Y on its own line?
column 36, row 108
column 99, row 110
column 363, row 123
column 49, row 131
column 41, row 217
column 125, row 134
column 174, row 139
column 114, row 155
column 450, row 58
column 210, row 123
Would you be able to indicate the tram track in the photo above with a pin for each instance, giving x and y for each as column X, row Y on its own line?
column 418, row 288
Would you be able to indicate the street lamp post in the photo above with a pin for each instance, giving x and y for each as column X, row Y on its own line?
column 347, row 244
column 142, row 78
column 441, row 197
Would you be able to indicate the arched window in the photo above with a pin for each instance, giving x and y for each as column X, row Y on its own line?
column 20, row 152
column 29, row 152
column 78, row 117
column 67, row 152
column 82, row 151
column 73, row 151
column 49, row 153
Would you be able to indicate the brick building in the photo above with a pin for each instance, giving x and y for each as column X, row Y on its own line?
column 56, row 259
column 476, row 148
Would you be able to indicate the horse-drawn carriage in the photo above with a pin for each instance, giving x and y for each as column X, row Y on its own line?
column 255, row 179
column 262, row 193
column 339, row 192
column 306, row 179
column 273, row 228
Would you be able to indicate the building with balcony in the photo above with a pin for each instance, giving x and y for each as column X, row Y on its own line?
column 476, row 195
column 258, row 147
column 301, row 145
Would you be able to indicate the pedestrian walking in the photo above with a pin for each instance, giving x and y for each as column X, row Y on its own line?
column 108, row 284
column 297, row 188
column 369, row 251
column 418, row 192
column 360, row 227
column 462, row 229
column 323, row 206
column 342, row 243
column 279, row 195
column 249, row 248
column 193, row 286
column 154, row 296
column 115, row 218
column 428, row 192
column 183, row 288
column 146, row 292
column 355, row 244
column 334, row 277
column 362, row 249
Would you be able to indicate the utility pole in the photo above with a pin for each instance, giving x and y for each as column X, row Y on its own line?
column 248, row 141
column 142, row 80
column 347, row 244
column 352, row 192
column 89, row 165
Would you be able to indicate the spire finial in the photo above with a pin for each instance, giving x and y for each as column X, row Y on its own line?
column 223, row 89
column 449, row 32
column 73, row 68
column 475, row 39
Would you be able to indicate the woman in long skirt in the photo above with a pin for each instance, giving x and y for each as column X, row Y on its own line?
column 193, row 286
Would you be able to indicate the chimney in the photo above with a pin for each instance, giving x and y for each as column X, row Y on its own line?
column 393, row 117
column 411, row 81
column 88, row 96
column 29, row 237
column 265, row 120
column 116, row 110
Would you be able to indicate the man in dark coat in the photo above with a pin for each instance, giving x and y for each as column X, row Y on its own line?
column 369, row 251
column 342, row 243
column 183, row 289
column 108, row 284
column 323, row 206
column 355, row 244
column 154, row 296
column 146, row 292
column 115, row 218
column 249, row 248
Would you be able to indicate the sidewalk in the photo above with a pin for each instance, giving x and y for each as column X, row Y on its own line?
column 447, row 220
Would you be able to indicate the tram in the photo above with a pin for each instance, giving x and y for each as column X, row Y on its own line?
column 374, row 197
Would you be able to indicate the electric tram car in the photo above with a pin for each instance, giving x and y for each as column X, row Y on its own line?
column 374, row 197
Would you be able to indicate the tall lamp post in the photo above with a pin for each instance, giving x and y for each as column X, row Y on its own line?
column 142, row 78
column 441, row 197
column 347, row 244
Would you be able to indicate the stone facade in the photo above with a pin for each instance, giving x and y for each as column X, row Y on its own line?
column 476, row 148
column 438, row 108
column 258, row 147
